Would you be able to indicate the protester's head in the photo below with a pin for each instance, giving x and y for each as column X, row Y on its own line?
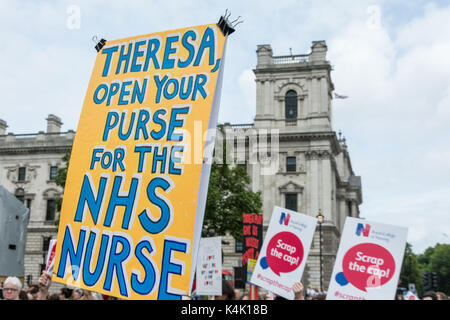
column 65, row 293
column 320, row 296
column 227, row 291
column 77, row 294
column 33, row 287
column 245, row 297
column 429, row 295
column 237, row 294
column 441, row 296
column 23, row 295
column 270, row 296
column 54, row 296
column 33, row 292
column 11, row 288
column 309, row 295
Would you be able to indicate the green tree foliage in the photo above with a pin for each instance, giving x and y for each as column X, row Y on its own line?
column 440, row 263
column 228, row 198
column 61, row 175
column 424, row 260
column 410, row 272
column 60, row 180
column 437, row 259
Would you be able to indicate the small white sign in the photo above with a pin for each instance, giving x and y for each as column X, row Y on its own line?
column 368, row 262
column 410, row 296
column 284, row 252
column 209, row 267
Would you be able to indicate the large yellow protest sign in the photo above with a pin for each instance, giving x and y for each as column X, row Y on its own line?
column 136, row 186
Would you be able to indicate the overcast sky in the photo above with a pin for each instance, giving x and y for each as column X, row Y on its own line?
column 391, row 59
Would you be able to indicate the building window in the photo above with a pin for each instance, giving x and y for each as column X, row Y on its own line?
column 53, row 172
column 20, row 194
column 29, row 205
column 51, row 210
column 243, row 165
column 291, row 164
column 291, row 201
column 240, row 277
column 291, row 101
column 239, row 246
column 22, row 171
column 46, row 244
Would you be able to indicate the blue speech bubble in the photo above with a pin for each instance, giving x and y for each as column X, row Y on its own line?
column 341, row 279
column 263, row 263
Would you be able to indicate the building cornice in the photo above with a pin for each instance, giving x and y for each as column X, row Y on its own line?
column 295, row 67
column 34, row 143
column 35, row 150
column 308, row 136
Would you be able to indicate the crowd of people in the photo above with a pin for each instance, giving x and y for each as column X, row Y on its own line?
column 428, row 295
column 12, row 289
column 229, row 293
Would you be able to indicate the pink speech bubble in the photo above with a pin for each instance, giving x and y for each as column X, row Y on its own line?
column 368, row 265
column 284, row 252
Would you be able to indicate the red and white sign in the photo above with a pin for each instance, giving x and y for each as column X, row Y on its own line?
column 283, row 254
column 368, row 262
column 50, row 256
column 50, row 261
column 410, row 296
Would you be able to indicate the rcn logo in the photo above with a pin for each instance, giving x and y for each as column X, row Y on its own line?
column 360, row 228
column 284, row 219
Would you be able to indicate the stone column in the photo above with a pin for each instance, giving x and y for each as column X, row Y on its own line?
column 307, row 101
column 354, row 209
column 313, row 183
column 342, row 213
column 267, row 102
column 259, row 98
column 315, row 95
column 323, row 95
column 326, row 188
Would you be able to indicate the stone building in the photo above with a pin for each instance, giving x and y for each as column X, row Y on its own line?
column 309, row 165
column 28, row 167
column 312, row 168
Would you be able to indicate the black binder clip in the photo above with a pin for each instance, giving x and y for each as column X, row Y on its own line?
column 98, row 44
column 227, row 27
